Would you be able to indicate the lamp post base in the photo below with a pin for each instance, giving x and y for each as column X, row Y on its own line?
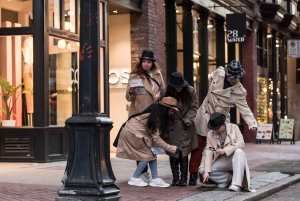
column 88, row 175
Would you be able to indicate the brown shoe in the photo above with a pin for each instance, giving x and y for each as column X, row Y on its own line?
column 208, row 184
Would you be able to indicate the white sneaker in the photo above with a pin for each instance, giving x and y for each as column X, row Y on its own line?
column 235, row 188
column 136, row 182
column 146, row 177
column 158, row 182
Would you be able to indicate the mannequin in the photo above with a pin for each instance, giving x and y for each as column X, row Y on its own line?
column 27, row 50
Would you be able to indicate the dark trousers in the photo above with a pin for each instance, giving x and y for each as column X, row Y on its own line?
column 144, row 170
column 196, row 155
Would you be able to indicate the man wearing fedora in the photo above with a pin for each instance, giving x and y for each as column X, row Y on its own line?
column 223, row 154
column 225, row 92
column 180, row 128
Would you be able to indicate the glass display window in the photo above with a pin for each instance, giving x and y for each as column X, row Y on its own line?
column 18, row 13
column 16, row 66
column 63, row 80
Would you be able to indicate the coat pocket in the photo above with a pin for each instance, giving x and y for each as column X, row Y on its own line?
column 137, row 142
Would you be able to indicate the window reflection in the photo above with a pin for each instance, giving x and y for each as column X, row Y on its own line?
column 64, row 76
column 18, row 13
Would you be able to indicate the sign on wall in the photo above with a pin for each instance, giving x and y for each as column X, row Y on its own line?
column 293, row 48
column 236, row 27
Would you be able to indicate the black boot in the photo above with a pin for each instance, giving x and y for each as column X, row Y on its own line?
column 184, row 164
column 174, row 163
column 193, row 178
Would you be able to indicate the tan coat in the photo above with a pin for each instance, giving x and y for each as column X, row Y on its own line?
column 221, row 100
column 234, row 140
column 176, row 133
column 135, row 140
column 138, row 103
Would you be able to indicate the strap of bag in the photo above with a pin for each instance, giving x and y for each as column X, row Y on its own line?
column 153, row 80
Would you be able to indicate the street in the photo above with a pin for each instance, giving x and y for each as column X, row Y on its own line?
column 290, row 193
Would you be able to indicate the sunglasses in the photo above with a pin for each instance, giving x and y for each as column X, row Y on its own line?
column 212, row 148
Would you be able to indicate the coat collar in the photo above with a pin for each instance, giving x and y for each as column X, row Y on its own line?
column 218, row 80
column 227, row 139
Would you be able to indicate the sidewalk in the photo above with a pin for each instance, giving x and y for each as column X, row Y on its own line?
column 40, row 181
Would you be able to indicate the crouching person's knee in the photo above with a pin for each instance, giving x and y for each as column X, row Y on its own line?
column 201, row 170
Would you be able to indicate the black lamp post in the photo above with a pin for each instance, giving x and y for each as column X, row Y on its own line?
column 88, row 174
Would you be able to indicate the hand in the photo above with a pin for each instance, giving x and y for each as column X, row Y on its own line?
column 220, row 151
column 205, row 177
column 131, row 89
column 156, row 97
column 253, row 129
column 187, row 124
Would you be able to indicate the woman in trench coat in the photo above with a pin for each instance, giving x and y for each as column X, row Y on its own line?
column 225, row 92
column 137, row 136
column 153, row 82
column 180, row 128
column 223, row 155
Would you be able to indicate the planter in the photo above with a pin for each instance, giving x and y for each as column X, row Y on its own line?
column 8, row 123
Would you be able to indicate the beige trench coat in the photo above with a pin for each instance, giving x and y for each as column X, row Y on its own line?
column 138, row 103
column 234, row 140
column 178, row 134
column 221, row 100
column 135, row 140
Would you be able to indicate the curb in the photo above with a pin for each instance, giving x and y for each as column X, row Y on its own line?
column 267, row 190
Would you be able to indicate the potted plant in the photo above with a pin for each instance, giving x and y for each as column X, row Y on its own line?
column 10, row 94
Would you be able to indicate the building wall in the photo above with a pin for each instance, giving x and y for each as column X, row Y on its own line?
column 293, row 95
column 148, row 32
column 119, row 62
column 250, row 79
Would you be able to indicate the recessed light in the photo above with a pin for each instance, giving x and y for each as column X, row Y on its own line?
column 115, row 11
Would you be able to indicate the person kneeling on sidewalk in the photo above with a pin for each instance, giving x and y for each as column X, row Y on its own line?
column 223, row 159
column 137, row 136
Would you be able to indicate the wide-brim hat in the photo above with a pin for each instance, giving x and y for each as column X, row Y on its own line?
column 216, row 121
column 176, row 80
column 147, row 55
column 169, row 102
column 234, row 69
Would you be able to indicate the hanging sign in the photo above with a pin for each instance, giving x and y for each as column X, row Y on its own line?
column 236, row 27
column 293, row 48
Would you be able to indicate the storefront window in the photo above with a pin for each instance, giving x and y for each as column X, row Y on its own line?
column 69, row 15
column 54, row 13
column 16, row 66
column 17, row 13
column 64, row 79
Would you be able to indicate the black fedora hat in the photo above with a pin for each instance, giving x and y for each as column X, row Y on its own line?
column 177, row 81
column 147, row 55
column 216, row 121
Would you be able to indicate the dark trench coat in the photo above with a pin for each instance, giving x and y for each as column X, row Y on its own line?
column 177, row 133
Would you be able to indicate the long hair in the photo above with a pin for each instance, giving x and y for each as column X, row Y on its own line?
column 184, row 95
column 138, row 70
column 157, row 117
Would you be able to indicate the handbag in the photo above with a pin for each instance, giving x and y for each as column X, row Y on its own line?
column 115, row 144
column 156, row 149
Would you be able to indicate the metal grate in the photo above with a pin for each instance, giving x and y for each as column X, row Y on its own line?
column 14, row 145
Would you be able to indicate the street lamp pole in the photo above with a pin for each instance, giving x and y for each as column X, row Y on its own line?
column 88, row 174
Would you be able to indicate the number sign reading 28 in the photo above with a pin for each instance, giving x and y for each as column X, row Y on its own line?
column 233, row 37
column 236, row 27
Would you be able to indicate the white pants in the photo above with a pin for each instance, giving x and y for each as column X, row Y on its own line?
column 220, row 169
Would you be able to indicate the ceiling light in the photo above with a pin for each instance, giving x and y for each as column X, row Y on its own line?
column 269, row 35
column 115, row 11
column 61, row 44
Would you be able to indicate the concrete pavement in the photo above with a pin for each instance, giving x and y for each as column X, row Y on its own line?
column 40, row 181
